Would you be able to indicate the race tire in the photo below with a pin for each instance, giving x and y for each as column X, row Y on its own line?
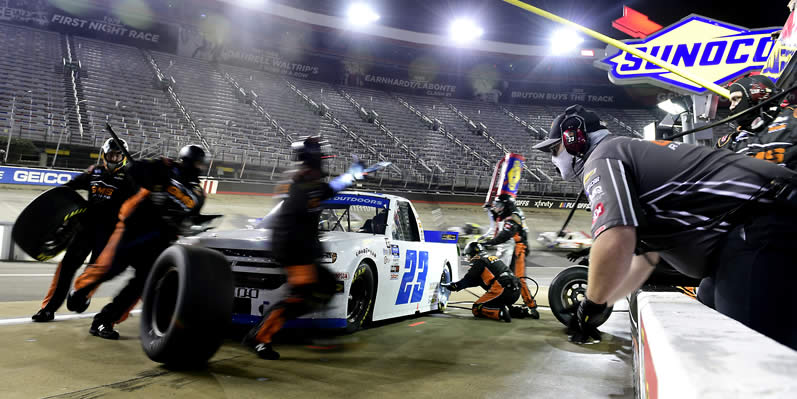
column 442, row 293
column 566, row 290
column 188, row 300
column 360, row 304
column 47, row 225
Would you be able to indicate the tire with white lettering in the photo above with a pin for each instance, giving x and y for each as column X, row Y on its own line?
column 360, row 302
column 567, row 289
column 47, row 225
column 188, row 301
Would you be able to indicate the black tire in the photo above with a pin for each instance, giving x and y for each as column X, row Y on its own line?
column 187, row 308
column 361, row 298
column 47, row 225
column 566, row 290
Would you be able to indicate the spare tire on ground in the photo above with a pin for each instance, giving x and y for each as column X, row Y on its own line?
column 566, row 291
column 49, row 223
column 188, row 301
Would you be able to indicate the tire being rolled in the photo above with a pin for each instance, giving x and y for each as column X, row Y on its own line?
column 47, row 225
column 188, row 301
column 566, row 290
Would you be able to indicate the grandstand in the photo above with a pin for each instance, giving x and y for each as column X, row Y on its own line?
column 159, row 102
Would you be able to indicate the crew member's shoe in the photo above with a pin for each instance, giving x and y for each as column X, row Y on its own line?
column 77, row 303
column 102, row 329
column 43, row 315
column 266, row 351
column 504, row 315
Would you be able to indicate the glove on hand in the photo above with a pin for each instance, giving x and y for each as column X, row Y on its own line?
column 579, row 331
column 450, row 286
column 356, row 169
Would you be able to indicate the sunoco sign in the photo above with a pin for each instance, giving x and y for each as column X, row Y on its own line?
column 713, row 50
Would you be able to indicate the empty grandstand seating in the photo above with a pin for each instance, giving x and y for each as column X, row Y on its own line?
column 32, row 83
column 118, row 84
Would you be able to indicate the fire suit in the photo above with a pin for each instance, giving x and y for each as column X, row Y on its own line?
column 775, row 144
column 511, row 241
column 107, row 190
column 149, row 222
column 296, row 246
column 502, row 287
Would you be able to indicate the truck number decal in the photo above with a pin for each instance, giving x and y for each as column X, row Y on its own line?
column 411, row 289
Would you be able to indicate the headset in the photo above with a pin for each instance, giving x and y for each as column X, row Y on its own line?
column 573, row 128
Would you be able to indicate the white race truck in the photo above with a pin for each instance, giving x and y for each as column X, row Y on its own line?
column 385, row 265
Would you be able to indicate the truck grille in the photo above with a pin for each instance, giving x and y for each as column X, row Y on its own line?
column 244, row 253
column 259, row 280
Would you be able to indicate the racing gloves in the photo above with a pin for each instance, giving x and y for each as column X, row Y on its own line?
column 579, row 330
column 451, row 286
column 345, row 180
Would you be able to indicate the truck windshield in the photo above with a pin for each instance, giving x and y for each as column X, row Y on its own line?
column 345, row 218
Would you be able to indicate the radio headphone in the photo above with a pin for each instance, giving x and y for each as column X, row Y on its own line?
column 574, row 134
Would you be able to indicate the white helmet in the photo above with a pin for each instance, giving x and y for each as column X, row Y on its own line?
column 111, row 146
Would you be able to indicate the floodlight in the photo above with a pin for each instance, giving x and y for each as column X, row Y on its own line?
column 588, row 53
column 361, row 14
column 674, row 108
column 565, row 40
column 464, row 30
column 649, row 131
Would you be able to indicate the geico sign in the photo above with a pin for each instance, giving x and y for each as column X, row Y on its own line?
column 713, row 50
column 29, row 176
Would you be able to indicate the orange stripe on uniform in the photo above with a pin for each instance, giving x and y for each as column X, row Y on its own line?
column 127, row 312
column 53, row 284
column 97, row 269
column 274, row 322
column 301, row 274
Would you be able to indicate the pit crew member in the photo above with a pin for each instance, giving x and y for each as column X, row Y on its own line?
column 490, row 273
column 169, row 195
column 511, row 239
column 296, row 246
column 108, row 186
column 707, row 213
column 769, row 133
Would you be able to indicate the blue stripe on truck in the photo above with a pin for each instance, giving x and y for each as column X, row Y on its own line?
column 239, row 318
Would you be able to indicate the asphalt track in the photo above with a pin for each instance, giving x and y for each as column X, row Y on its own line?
column 436, row 355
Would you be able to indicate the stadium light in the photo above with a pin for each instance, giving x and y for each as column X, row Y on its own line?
column 361, row 14
column 587, row 53
column 463, row 30
column 565, row 40
column 674, row 108
column 649, row 131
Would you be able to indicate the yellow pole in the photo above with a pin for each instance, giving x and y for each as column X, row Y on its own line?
column 622, row 46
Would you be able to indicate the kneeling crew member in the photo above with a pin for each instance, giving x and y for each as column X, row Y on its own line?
column 149, row 222
column 108, row 186
column 488, row 272
column 512, row 242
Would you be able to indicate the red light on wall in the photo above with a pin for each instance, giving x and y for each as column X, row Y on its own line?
column 587, row 53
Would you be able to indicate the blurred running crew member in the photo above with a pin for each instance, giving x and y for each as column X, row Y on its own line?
column 169, row 195
column 295, row 245
column 490, row 273
column 706, row 212
column 108, row 186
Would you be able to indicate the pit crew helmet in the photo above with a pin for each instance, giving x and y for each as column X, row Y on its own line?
column 748, row 92
column 191, row 157
column 504, row 205
column 308, row 152
column 112, row 155
column 474, row 248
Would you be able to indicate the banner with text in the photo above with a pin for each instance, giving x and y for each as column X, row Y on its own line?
column 36, row 177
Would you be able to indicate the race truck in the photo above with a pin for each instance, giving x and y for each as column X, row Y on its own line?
column 385, row 264
column 567, row 241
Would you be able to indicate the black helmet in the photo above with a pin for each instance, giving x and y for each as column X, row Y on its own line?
column 308, row 152
column 473, row 248
column 109, row 147
column 504, row 205
column 749, row 92
column 191, row 154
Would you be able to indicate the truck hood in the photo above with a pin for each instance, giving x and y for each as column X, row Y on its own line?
column 260, row 239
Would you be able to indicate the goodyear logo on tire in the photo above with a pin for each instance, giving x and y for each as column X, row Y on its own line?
column 713, row 50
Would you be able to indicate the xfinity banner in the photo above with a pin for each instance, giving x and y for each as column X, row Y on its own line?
column 142, row 32
column 36, row 177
